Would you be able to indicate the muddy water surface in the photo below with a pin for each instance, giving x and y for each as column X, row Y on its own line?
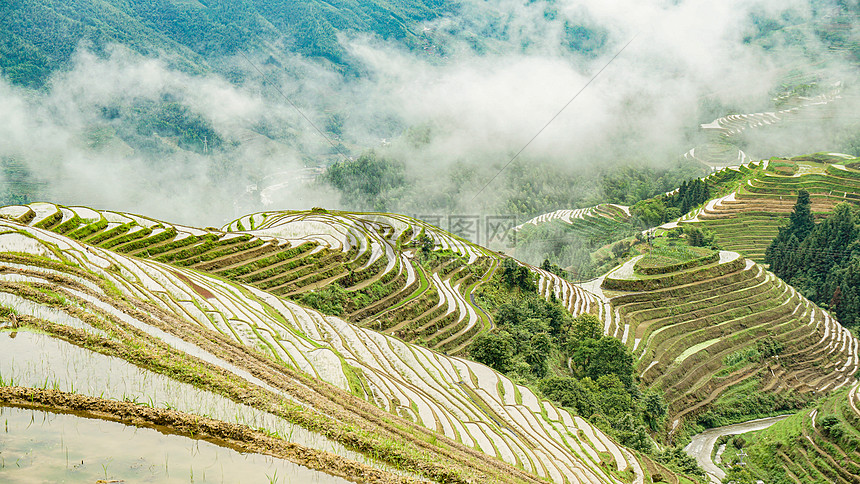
column 38, row 446
column 40, row 361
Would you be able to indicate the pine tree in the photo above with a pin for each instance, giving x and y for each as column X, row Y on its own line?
column 801, row 221
column 782, row 250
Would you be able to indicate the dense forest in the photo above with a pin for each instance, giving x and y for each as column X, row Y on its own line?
column 668, row 207
column 821, row 260
column 40, row 37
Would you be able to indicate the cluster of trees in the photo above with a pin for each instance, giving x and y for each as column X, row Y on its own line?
column 538, row 343
column 821, row 260
column 690, row 194
column 627, row 185
column 665, row 208
column 696, row 236
column 370, row 182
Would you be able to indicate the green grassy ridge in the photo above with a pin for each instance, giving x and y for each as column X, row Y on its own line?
column 661, row 261
column 65, row 226
column 658, row 281
column 122, row 238
column 839, row 173
column 103, row 236
column 88, row 229
column 147, row 241
column 50, row 220
column 825, row 451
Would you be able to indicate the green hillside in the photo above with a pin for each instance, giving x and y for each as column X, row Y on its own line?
column 815, row 446
column 758, row 201
column 722, row 338
column 710, row 333
column 699, row 346
column 354, row 391
column 40, row 37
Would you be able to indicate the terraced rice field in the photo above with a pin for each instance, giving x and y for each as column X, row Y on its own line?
column 748, row 218
column 718, row 155
column 256, row 367
column 818, row 445
column 592, row 220
column 373, row 258
column 222, row 302
column 689, row 328
column 594, row 226
column 804, row 108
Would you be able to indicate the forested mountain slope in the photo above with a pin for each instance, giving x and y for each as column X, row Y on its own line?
column 818, row 444
column 40, row 37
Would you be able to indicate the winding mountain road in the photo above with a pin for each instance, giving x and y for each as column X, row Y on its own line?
column 702, row 444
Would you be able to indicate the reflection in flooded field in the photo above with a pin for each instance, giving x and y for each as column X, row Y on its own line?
column 39, row 446
column 38, row 360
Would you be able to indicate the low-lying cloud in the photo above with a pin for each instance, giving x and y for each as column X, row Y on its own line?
column 486, row 82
